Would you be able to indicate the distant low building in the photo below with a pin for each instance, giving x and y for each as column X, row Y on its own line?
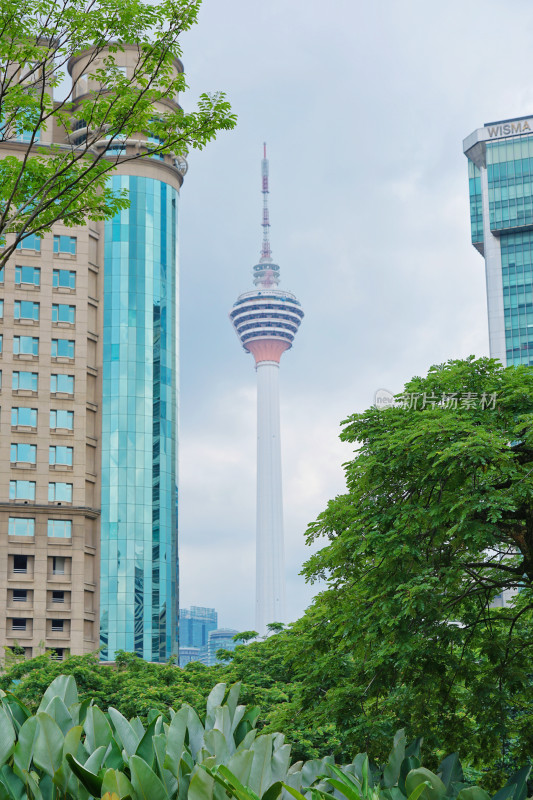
column 188, row 654
column 196, row 623
column 221, row 639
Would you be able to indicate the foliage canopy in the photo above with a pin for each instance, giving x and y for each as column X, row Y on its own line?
column 42, row 183
column 437, row 522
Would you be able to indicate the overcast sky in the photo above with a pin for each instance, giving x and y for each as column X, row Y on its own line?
column 364, row 107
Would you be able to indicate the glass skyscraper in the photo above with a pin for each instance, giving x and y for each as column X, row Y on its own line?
column 500, row 170
column 138, row 522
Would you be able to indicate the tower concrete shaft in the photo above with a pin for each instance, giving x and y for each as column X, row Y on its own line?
column 270, row 557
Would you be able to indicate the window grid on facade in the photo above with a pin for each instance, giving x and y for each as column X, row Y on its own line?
column 25, row 345
column 22, row 490
column 23, row 452
column 60, row 528
column 26, row 310
column 27, row 275
column 62, row 384
column 24, row 416
column 62, row 312
column 59, row 492
column 64, row 279
column 59, row 418
column 31, row 242
column 60, row 455
column 21, row 526
column 65, row 244
column 25, row 380
column 62, row 348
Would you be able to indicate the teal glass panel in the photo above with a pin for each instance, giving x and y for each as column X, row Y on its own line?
column 138, row 598
column 517, row 281
column 510, row 182
column 476, row 206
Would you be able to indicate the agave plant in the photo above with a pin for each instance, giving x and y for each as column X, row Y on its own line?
column 70, row 750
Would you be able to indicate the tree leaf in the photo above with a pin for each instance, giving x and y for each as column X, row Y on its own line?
column 48, row 744
column 89, row 779
column 176, row 740
column 7, row 737
column 145, row 782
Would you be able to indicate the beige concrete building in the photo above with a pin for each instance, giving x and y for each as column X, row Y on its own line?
column 88, row 344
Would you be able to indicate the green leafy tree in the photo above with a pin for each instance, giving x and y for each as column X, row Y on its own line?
column 437, row 522
column 43, row 183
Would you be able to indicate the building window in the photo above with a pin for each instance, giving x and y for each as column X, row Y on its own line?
column 1, row 309
column 2, row 273
column 62, row 348
column 57, row 653
column 31, row 242
column 25, row 346
column 58, row 596
column 25, row 380
column 25, row 309
column 29, row 275
column 22, row 490
column 61, row 312
column 62, row 383
column 82, row 87
column 65, row 244
column 20, row 595
column 24, row 416
column 58, row 565
column 1, row 343
column 58, row 625
column 20, row 564
column 18, row 624
column 63, row 279
column 59, row 455
column 21, row 526
column 60, row 492
column 61, row 419
column 60, row 529
column 26, row 453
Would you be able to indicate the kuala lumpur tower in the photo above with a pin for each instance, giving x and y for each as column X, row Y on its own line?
column 266, row 321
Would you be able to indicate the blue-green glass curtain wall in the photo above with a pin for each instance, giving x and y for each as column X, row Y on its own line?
column 138, row 594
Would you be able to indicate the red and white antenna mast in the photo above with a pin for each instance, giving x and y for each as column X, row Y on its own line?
column 266, row 254
column 266, row 273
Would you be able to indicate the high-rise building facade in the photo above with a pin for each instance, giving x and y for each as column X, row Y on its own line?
column 266, row 321
column 88, row 364
column 500, row 168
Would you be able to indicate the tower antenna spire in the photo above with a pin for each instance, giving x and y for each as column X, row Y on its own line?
column 266, row 254
column 266, row 273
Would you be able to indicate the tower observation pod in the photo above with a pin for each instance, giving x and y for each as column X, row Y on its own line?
column 266, row 321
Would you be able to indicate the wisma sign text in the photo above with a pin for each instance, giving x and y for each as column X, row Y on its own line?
column 510, row 128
